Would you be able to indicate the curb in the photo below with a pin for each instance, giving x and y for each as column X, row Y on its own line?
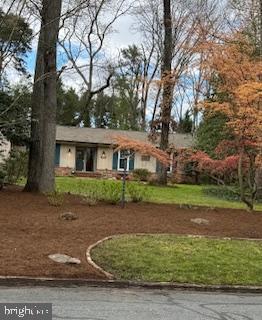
column 63, row 282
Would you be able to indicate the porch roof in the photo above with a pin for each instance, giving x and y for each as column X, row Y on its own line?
column 105, row 136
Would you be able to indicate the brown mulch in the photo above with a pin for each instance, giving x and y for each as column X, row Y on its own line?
column 31, row 229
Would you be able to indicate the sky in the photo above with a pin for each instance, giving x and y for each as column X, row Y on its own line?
column 121, row 37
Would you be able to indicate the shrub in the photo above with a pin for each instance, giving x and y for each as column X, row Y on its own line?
column 153, row 181
column 91, row 197
column 16, row 166
column 2, row 177
column 55, row 198
column 141, row 174
column 136, row 192
column 107, row 191
column 110, row 192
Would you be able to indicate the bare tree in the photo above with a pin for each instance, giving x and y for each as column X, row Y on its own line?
column 84, row 43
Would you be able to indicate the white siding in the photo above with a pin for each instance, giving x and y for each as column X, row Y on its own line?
column 5, row 147
column 67, row 159
column 149, row 165
column 104, row 163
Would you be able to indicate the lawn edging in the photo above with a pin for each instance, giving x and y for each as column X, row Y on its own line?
column 170, row 285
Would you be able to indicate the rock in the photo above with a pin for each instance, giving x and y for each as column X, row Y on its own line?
column 185, row 206
column 200, row 221
column 68, row 216
column 63, row 258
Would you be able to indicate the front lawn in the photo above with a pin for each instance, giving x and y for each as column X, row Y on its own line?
column 178, row 194
column 182, row 259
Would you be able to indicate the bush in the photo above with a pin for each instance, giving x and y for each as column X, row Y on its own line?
column 110, row 192
column 91, row 197
column 153, row 181
column 136, row 192
column 16, row 166
column 2, row 177
column 141, row 174
column 106, row 191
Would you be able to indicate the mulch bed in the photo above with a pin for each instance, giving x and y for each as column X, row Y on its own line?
column 31, row 229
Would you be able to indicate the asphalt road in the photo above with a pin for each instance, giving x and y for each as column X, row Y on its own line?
column 137, row 304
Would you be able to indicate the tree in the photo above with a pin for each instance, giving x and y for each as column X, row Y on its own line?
column 211, row 131
column 130, row 146
column 68, row 106
column 127, row 85
column 239, row 72
column 184, row 125
column 90, row 29
column 15, row 114
column 15, row 41
column 44, row 102
column 166, row 78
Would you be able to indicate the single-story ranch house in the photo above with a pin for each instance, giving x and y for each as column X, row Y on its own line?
column 84, row 151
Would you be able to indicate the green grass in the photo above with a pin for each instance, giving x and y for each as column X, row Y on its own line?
column 179, row 194
column 182, row 259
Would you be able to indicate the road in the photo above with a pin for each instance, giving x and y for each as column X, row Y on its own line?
column 85, row 303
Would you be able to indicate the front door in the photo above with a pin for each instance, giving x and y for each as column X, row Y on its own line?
column 85, row 159
column 90, row 159
column 80, row 159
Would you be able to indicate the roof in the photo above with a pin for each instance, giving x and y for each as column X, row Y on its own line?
column 105, row 136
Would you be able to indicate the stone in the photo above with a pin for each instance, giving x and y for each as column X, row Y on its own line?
column 185, row 206
column 200, row 221
column 63, row 258
column 69, row 216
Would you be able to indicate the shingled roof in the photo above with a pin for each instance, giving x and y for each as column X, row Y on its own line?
column 105, row 136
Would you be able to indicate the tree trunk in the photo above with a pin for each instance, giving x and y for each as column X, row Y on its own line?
column 166, row 79
column 44, row 101
column 241, row 183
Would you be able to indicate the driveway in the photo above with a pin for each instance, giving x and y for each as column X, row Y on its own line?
column 87, row 303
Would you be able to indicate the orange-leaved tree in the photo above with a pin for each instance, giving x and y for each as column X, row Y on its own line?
column 237, row 73
column 132, row 146
column 144, row 148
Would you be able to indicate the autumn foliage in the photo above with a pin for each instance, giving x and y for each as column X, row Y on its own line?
column 125, row 143
column 238, row 81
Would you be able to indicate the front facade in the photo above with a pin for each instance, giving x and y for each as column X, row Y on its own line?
column 89, row 150
column 5, row 147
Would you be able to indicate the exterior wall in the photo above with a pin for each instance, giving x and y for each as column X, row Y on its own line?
column 67, row 159
column 106, row 163
column 149, row 165
column 5, row 148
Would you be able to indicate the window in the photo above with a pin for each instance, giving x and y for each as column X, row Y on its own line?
column 121, row 160
column 123, row 156
column 145, row 158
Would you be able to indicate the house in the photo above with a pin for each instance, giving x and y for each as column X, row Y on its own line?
column 87, row 151
column 5, row 147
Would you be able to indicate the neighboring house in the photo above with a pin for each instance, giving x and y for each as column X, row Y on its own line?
column 5, row 147
column 90, row 150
